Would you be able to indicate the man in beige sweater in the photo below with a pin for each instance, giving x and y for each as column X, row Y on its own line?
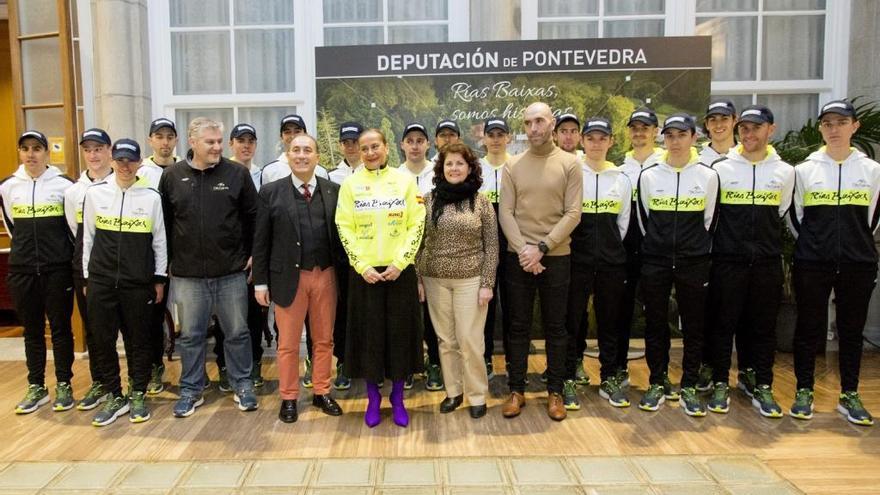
column 539, row 209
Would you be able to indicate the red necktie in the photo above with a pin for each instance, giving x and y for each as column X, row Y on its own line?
column 306, row 193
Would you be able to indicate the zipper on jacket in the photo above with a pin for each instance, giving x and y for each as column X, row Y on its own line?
column 34, row 218
column 596, row 223
column 675, row 219
column 752, row 224
column 119, row 241
column 201, row 210
column 837, row 213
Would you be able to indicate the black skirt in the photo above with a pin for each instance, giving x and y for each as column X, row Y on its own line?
column 384, row 337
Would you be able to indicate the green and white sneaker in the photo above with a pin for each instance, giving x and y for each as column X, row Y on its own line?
column 569, row 396
column 653, row 398
column 307, row 376
column 433, row 378
column 704, row 381
column 622, row 377
column 94, row 397
column 257, row 374
column 138, row 411
column 409, row 382
column 63, row 397
column 668, row 389
column 36, row 396
column 747, row 381
column 850, row 405
column 156, row 385
column 720, row 400
column 342, row 381
column 803, row 404
column 113, row 408
column 690, row 403
column 580, row 376
column 762, row 398
column 611, row 391
column 223, row 381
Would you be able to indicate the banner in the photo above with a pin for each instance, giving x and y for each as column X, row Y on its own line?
column 388, row 86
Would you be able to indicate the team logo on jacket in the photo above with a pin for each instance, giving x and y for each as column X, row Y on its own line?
column 379, row 204
column 861, row 184
column 220, row 187
column 696, row 190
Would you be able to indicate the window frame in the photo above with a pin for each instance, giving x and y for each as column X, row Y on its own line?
column 457, row 22
column 681, row 17
column 165, row 103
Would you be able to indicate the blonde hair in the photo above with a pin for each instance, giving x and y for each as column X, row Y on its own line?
column 200, row 124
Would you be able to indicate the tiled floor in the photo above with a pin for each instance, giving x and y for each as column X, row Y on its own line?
column 734, row 475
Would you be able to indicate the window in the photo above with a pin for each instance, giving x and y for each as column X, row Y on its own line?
column 232, row 46
column 234, row 61
column 770, row 52
column 356, row 22
column 558, row 19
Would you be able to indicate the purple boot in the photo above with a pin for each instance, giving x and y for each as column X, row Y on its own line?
column 372, row 416
column 398, row 409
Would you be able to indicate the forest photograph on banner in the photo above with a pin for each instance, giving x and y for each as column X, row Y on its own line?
column 388, row 86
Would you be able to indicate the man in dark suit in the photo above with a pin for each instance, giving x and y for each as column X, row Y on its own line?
column 295, row 249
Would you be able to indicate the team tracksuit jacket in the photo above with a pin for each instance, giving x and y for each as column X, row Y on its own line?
column 677, row 210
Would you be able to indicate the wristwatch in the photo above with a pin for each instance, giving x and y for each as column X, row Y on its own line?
column 542, row 246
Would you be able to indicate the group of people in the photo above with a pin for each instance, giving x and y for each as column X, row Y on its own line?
column 380, row 263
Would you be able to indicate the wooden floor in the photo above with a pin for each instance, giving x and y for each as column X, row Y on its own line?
column 825, row 455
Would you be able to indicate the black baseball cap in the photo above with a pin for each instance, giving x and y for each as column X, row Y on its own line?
column 721, row 107
column 447, row 124
column 757, row 114
column 39, row 136
column 644, row 115
column 160, row 123
column 597, row 124
column 97, row 135
column 350, row 130
column 495, row 123
column 242, row 129
column 126, row 148
column 840, row 107
column 680, row 121
column 415, row 126
column 567, row 117
column 295, row 120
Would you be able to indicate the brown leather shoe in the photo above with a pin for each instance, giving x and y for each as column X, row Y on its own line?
column 555, row 407
column 514, row 404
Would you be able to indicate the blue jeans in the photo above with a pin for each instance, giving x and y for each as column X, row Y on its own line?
column 198, row 299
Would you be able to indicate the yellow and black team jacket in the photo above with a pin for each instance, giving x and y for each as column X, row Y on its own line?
column 677, row 211
column 598, row 238
column 124, row 240
column 33, row 211
column 380, row 218
column 835, row 210
column 754, row 198
column 73, row 209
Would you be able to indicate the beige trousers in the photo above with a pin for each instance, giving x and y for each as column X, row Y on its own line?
column 458, row 320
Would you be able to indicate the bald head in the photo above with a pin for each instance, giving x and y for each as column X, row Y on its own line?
column 538, row 121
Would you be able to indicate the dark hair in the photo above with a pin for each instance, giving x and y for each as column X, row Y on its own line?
column 475, row 175
column 445, row 193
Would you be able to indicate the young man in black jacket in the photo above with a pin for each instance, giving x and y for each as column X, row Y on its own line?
column 40, row 278
column 124, row 261
column 210, row 208
column 677, row 206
